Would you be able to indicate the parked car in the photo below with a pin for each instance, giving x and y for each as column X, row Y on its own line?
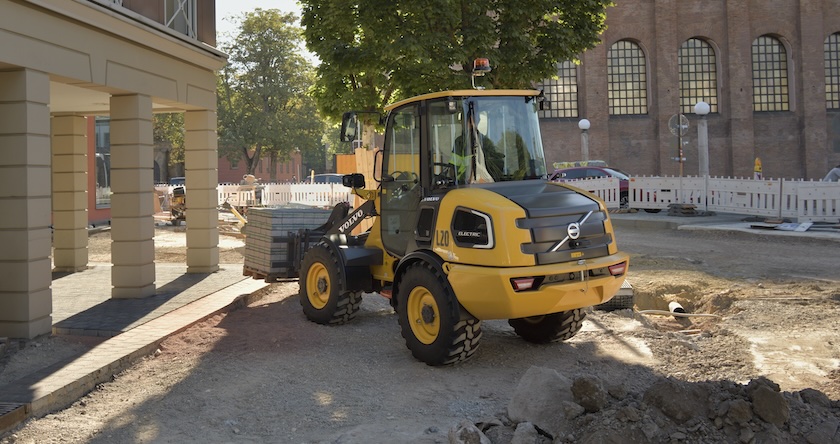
column 324, row 178
column 593, row 172
column 177, row 180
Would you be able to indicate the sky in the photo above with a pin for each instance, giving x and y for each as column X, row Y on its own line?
column 226, row 10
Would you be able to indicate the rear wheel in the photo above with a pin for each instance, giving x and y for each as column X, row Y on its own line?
column 430, row 318
column 549, row 328
column 321, row 297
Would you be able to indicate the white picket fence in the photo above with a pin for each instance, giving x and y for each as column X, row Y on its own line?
column 278, row 194
column 794, row 199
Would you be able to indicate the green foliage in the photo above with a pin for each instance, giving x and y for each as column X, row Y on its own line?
column 263, row 102
column 169, row 130
column 375, row 52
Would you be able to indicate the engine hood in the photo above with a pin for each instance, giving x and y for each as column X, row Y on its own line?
column 542, row 199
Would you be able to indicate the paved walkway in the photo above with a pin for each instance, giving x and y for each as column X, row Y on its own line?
column 82, row 305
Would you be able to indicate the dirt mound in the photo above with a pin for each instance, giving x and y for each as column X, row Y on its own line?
column 589, row 410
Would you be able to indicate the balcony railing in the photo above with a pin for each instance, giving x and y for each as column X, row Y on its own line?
column 181, row 16
column 192, row 18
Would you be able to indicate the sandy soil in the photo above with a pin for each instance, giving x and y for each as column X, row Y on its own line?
column 266, row 374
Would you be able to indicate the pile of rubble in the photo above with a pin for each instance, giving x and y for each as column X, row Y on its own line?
column 550, row 408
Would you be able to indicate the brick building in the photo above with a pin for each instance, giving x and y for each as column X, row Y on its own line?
column 770, row 70
column 290, row 170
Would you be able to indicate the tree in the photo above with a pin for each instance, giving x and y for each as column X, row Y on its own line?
column 375, row 52
column 263, row 106
column 168, row 129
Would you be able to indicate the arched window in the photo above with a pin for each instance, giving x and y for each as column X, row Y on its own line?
column 627, row 79
column 770, row 75
column 832, row 71
column 562, row 92
column 698, row 75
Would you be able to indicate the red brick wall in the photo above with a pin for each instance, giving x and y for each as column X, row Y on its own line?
column 285, row 172
column 794, row 144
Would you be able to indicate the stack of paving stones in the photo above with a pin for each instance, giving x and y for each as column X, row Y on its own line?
column 271, row 237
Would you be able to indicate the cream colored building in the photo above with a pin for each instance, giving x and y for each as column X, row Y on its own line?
column 61, row 62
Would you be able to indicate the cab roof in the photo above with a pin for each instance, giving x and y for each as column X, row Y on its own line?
column 466, row 93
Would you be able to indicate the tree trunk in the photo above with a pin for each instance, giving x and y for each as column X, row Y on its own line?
column 272, row 166
column 252, row 161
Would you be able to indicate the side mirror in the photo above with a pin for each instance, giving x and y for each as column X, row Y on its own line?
column 355, row 180
column 349, row 127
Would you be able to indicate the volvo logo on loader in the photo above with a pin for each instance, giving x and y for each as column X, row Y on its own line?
column 573, row 230
column 351, row 222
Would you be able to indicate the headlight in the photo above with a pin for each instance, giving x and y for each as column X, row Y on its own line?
column 472, row 229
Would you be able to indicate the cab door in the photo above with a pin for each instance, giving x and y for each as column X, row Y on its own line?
column 401, row 187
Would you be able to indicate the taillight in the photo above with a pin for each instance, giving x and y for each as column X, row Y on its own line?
column 522, row 284
column 618, row 269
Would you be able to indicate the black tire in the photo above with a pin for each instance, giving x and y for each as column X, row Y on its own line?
column 430, row 318
column 624, row 200
column 553, row 327
column 652, row 210
column 320, row 294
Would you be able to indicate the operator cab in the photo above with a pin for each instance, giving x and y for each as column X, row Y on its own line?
column 448, row 140
column 457, row 138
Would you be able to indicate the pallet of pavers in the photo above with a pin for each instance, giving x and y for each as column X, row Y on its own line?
column 273, row 239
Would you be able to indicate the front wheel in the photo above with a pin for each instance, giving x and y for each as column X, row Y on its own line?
column 430, row 318
column 321, row 297
column 553, row 327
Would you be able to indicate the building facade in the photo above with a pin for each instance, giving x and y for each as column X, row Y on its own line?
column 62, row 62
column 769, row 69
column 290, row 170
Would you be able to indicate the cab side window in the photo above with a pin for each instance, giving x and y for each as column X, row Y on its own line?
column 401, row 188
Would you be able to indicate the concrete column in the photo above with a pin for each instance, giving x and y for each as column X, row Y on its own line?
column 132, row 198
column 69, row 190
column 25, row 294
column 201, row 162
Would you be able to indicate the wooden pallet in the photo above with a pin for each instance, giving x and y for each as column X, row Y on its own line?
column 266, row 276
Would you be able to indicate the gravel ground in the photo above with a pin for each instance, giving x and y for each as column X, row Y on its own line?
column 265, row 374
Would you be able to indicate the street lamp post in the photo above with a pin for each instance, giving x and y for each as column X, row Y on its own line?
column 702, row 109
column 584, row 138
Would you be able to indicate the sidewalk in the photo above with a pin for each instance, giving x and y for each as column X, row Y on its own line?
column 716, row 221
column 82, row 305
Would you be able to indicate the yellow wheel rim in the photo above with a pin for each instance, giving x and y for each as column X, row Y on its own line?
column 318, row 285
column 423, row 315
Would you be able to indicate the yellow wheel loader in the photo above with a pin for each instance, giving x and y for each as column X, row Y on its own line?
column 466, row 228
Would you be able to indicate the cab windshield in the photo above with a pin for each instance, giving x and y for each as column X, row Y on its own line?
column 486, row 139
